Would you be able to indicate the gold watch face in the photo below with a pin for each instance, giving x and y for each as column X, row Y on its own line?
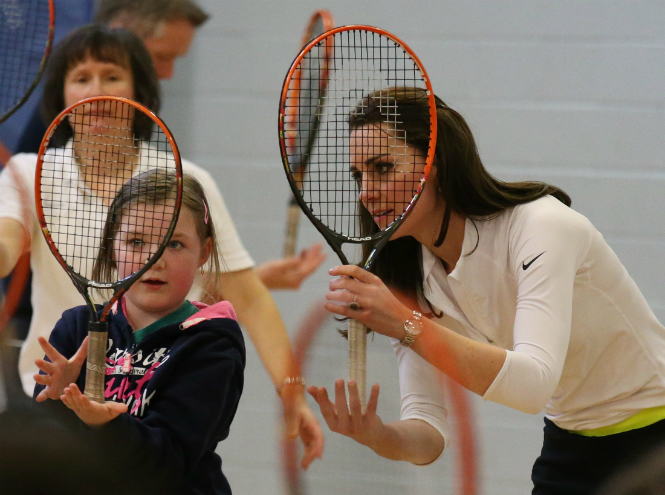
column 411, row 329
column 412, row 333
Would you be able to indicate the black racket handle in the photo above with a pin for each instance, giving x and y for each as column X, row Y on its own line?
column 96, row 361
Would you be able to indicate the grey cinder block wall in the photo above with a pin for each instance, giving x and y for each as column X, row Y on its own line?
column 570, row 92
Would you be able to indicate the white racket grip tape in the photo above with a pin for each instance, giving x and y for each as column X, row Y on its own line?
column 96, row 365
column 292, row 220
column 358, row 358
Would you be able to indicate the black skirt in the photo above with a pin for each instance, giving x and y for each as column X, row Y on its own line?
column 571, row 464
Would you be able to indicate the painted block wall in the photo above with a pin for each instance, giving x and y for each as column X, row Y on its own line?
column 569, row 92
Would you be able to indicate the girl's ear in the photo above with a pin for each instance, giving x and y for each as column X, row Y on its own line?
column 205, row 251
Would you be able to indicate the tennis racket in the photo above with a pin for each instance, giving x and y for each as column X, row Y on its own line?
column 26, row 36
column 94, row 197
column 301, row 122
column 366, row 65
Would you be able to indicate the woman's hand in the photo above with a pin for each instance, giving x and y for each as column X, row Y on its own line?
column 411, row 440
column 348, row 419
column 60, row 372
column 90, row 412
column 290, row 273
column 301, row 422
column 379, row 309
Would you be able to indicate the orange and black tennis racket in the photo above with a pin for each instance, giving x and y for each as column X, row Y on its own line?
column 108, row 197
column 302, row 122
column 26, row 36
column 367, row 67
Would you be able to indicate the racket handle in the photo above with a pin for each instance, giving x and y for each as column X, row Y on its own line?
column 358, row 358
column 96, row 361
column 292, row 220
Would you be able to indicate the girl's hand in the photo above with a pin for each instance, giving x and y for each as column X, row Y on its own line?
column 90, row 412
column 60, row 372
column 349, row 420
column 300, row 421
column 379, row 310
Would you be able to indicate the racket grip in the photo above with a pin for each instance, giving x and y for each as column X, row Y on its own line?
column 292, row 220
column 96, row 361
column 358, row 358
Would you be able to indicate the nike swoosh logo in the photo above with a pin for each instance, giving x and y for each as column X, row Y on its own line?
column 524, row 267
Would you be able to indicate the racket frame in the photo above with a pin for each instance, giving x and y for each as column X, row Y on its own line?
column 357, row 332
column 42, row 64
column 97, row 326
column 293, row 212
column 326, row 20
column 335, row 239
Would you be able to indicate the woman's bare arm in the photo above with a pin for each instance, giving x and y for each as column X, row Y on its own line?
column 14, row 241
column 259, row 315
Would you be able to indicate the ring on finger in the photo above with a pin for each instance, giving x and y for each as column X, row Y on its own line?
column 353, row 305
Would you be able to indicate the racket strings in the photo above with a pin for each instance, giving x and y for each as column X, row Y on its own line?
column 24, row 42
column 108, row 198
column 371, row 171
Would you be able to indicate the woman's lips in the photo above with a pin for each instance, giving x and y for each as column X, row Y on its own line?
column 381, row 215
column 154, row 283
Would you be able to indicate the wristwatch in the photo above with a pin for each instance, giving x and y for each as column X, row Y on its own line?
column 413, row 327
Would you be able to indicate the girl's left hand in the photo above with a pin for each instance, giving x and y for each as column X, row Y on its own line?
column 60, row 371
column 90, row 412
column 379, row 309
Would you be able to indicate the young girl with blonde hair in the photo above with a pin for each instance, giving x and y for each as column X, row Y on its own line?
column 174, row 368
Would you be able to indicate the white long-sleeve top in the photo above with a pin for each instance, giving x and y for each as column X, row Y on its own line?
column 541, row 282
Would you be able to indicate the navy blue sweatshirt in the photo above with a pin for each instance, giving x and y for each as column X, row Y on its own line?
column 182, row 388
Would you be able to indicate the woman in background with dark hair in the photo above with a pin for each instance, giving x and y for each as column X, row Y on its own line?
column 93, row 61
column 526, row 305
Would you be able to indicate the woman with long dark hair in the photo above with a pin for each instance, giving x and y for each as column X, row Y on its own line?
column 507, row 290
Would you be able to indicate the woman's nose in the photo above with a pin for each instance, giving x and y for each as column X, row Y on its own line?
column 369, row 191
column 95, row 88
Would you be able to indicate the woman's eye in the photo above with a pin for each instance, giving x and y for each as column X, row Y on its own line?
column 356, row 175
column 135, row 243
column 175, row 244
column 383, row 167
